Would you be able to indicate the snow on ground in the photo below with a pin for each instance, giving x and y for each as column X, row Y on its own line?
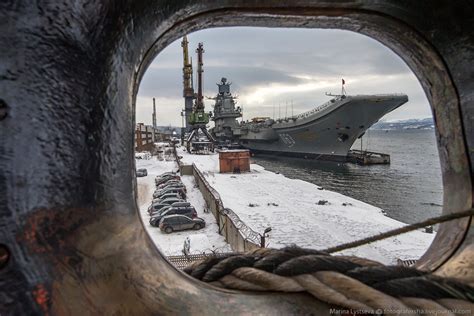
column 172, row 244
column 290, row 207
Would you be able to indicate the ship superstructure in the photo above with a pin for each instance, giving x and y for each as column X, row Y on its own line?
column 226, row 127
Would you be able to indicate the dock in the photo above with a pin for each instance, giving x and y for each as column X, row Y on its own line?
column 363, row 157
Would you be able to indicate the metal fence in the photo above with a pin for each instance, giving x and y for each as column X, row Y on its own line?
column 239, row 236
column 182, row 262
column 237, row 233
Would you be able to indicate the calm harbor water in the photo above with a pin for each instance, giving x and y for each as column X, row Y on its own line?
column 409, row 189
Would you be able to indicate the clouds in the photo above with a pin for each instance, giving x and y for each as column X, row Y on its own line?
column 278, row 66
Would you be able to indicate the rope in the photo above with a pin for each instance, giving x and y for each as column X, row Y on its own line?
column 401, row 230
column 346, row 281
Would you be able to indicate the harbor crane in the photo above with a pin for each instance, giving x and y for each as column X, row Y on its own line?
column 198, row 118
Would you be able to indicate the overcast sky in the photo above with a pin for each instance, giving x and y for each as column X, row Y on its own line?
column 269, row 67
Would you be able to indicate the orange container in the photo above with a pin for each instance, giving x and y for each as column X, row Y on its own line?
column 235, row 160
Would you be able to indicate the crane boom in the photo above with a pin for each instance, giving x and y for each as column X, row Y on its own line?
column 188, row 90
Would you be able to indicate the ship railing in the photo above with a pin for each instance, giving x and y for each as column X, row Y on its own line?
column 315, row 110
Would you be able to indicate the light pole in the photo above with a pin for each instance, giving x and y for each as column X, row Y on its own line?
column 262, row 237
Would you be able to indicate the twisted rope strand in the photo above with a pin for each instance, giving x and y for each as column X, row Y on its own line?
column 350, row 282
column 401, row 230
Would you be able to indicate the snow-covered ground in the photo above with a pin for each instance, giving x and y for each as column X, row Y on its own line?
column 290, row 207
column 204, row 240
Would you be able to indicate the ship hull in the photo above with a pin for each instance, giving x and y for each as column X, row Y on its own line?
column 309, row 156
column 327, row 136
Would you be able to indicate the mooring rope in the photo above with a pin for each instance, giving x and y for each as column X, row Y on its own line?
column 401, row 230
column 349, row 282
column 359, row 284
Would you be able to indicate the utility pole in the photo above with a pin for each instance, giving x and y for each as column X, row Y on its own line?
column 153, row 118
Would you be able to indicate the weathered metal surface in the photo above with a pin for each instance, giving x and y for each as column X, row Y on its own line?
column 69, row 73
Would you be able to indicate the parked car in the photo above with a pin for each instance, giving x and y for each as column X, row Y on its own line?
column 167, row 196
column 174, row 182
column 143, row 155
column 154, row 207
column 160, row 193
column 172, row 185
column 154, row 213
column 172, row 173
column 142, row 172
column 177, row 222
column 189, row 211
column 167, row 178
column 175, row 203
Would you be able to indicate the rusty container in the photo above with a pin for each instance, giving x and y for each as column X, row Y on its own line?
column 235, row 161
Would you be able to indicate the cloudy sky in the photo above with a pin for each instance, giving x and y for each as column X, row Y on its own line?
column 272, row 67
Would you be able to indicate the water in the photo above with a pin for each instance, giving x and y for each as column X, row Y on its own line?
column 409, row 189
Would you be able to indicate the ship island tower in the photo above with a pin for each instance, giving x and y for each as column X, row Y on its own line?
column 227, row 129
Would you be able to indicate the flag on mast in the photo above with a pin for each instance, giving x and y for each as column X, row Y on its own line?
column 343, row 91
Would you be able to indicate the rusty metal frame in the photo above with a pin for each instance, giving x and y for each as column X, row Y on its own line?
column 69, row 76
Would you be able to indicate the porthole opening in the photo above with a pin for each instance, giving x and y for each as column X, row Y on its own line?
column 253, row 88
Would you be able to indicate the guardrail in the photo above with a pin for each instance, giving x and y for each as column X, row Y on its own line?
column 332, row 101
column 316, row 109
column 236, row 232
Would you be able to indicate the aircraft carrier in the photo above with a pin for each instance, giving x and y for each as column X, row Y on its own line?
column 326, row 132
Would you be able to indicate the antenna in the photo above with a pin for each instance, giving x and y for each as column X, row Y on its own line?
column 291, row 108
column 286, row 109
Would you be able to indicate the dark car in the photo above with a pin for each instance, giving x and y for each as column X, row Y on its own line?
column 142, row 172
column 173, row 223
column 154, row 207
column 185, row 210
